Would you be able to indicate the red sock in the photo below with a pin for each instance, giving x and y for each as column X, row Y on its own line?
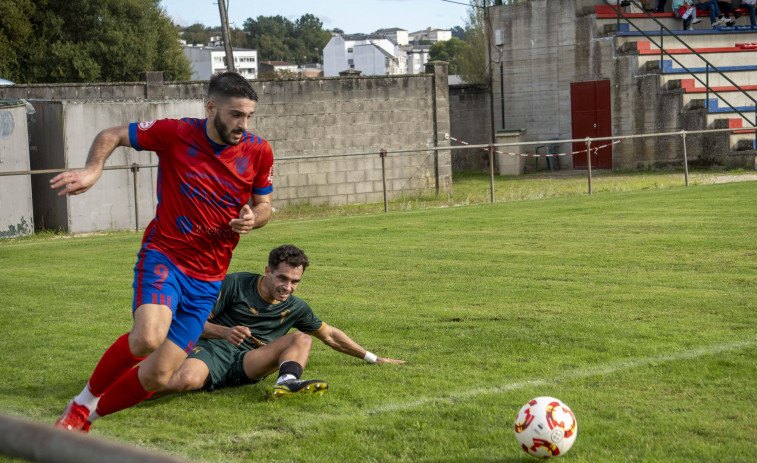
column 114, row 364
column 125, row 393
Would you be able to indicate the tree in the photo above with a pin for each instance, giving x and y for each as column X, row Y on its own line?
column 310, row 39
column 15, row 28
column 471, row 61
column 269, row 35
column 449, row 51
column 171, row 59
column 88, row 41
column 238, row 38
column 196, row 34
column 278, row 39
column 458, row 32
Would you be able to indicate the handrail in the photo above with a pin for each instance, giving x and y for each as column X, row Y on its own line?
column 617, row 9
column 552, row 141
column 490, row 147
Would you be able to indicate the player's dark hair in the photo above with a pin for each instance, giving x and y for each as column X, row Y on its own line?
column 291, row 255
column 230, row 84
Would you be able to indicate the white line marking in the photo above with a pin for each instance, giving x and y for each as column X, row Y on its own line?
column 577, row 374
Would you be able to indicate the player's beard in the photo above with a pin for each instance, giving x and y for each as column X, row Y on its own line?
column 224, row 132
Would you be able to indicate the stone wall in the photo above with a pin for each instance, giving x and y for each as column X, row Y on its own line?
column 337, row 116
column 470, row 121
column 60, row 134
column 549, row 45
column 16, row 214
column 311, row 124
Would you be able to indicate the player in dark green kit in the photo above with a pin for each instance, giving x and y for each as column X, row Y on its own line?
column 245, row 338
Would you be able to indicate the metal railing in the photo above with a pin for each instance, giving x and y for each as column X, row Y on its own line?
column 590, row 143
column 664, row 52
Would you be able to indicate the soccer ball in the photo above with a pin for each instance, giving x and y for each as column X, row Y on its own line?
column 545, row 427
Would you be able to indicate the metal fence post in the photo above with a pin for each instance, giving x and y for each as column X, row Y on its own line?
column 135, row 170
column 382, row 153
column 707, row 86
column 588, row 159
column 685, row 159
column 662, row 41
column 491, row 171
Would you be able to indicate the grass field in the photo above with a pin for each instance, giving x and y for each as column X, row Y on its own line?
column 474, row 188
column 636, row 308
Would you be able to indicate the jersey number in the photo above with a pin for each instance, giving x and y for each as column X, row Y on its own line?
column 161, row 271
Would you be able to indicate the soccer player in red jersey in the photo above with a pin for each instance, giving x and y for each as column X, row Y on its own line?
column 209, row 170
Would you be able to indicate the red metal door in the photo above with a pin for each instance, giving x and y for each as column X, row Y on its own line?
column 590, row 111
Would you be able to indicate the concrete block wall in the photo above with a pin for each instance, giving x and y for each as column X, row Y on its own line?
column 548, row 46
column 108, row 91
column 60, row 134
column 336, row 116
column 470, row 121
column 16, row 213
column 313, row 118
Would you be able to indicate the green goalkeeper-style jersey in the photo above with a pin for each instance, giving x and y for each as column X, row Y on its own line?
column 240, row 304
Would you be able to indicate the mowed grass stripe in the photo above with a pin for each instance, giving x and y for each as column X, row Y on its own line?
column 479, row 298
column 561, row 377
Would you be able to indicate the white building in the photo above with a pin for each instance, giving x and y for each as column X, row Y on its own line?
column 431, row 34
column 275, row 66
column 385, row 52
column 370, row 54
column 206, row 61
column 396, row 35
column 373, row 60
column 417, row 57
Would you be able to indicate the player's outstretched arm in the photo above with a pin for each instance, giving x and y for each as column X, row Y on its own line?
column 338, row 340
column 77, row 181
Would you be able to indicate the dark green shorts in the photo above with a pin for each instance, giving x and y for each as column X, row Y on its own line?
column 225, row 362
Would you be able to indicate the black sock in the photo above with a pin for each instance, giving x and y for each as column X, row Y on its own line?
column 290, row 368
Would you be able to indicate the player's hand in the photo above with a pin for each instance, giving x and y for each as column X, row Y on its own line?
column 236, row 334
column 386, row 360
column 245, row 222
column 76, row 181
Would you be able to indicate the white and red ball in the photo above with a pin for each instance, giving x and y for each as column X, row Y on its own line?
column 545, row 427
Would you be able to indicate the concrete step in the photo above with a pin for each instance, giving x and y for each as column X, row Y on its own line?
column 723, row 102
column 715, row 106
column 737, row 140
column 746, row 145
column 668, row 67
column 746, row 96
column 744, row 78
column 721, row 60
column 670, row 23
column 647, row 47
column 694, row 39
column 632, row 13
column 741, row 140
column 703, row 28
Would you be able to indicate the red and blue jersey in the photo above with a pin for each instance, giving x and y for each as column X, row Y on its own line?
column 201, row 187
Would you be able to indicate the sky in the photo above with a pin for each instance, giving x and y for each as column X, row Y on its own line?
column 352, row 16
